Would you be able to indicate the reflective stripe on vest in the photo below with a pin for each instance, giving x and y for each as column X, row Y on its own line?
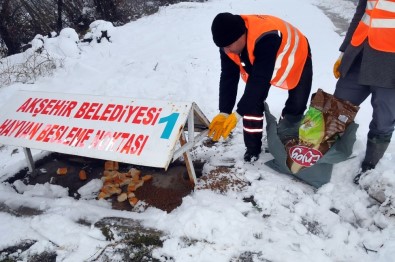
column 253, row 130
column 386, row 6
column 291, row 55
column 291, row 58
column 370, row 5
column 378, row 25
column 253, row 118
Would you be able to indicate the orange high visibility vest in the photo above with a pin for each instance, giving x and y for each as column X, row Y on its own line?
column 291, row 55
column 378, row 25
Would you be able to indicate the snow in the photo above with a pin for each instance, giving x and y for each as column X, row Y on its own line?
column 344, row 10
column 88, row 191
column 170, row 56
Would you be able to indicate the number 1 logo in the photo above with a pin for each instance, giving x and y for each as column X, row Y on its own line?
column 170, row 121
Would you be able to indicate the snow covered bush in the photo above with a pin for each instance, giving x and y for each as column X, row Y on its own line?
column 98, row 30
column 35, row 64
column 43, row 56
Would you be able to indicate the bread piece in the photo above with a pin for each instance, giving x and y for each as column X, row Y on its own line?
column 131, row 187
column 133, row 201
column 61, row 171
column 103, row 195
column 122, row 197
column 82, row 175
column 109, row 165
column 146, row 178
column 131, row 194
column 111, row 189
column 125, row 182
column 110, row 183
column 119, row 178
column 134, row 173
column 139, row 183
column 115, row 165
column 106, row 179
column 108, row 173
column 136, row 177
column 109, row 176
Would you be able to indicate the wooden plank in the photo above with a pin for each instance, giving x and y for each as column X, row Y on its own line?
column 188, row 161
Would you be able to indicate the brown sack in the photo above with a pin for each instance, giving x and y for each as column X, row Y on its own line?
column 324, row 122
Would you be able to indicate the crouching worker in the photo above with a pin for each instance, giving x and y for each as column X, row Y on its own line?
column 264, row 50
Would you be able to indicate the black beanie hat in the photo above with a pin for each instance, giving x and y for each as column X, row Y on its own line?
column 227, row 28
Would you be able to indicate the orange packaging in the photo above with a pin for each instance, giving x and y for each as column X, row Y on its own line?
column 82, row 175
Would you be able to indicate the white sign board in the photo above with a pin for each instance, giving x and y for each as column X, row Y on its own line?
column 140, row 132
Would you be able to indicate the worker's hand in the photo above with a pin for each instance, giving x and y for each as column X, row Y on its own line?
column 230, row 124
column 217, row 126
column 336, row 72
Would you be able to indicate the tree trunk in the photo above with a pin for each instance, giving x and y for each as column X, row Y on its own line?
column 5, row 23
column 107, row 9
column 59, row 22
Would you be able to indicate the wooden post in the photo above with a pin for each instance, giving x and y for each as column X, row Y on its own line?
column 188, row 161
column 29, row 158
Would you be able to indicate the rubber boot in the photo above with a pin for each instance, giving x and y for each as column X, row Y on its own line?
column 288, row 127
column 375, row 149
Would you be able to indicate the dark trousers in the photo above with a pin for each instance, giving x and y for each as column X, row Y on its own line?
column 382, row 100
column 294, row 106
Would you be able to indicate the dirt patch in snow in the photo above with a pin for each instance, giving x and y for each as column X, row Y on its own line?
column 165, row 191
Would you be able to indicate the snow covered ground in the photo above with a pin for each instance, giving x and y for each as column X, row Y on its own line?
column 170, row 56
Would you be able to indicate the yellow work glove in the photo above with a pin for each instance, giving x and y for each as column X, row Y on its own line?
column 230, row 124
column 336, row 72
column 217, row 126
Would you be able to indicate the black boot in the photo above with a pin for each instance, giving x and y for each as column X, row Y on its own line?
column 375, row 149
column 251, row 156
